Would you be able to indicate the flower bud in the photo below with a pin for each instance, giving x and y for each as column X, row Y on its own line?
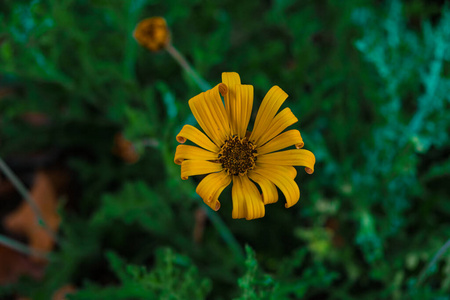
column 152, row 33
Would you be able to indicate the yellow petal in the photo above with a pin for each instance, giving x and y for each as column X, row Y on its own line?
column 279, row 176
column 241, row 109
column 255, row 205
column 214, row 101
column 198, row 167
column 269, row 191
column 286, row 139
column 211, row 187
column 295, row 157
column 231, row 80
column 281, row 121
column 247, row 202
column 191, row 152
column 239, row 207
column 196, row 136
column 209, row 112
column 269, row 107
column 291, row 171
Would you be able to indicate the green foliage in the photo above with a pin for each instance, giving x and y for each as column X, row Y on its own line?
column 173, row 277
column 368, row 80
column 254, row 284
column 135, row 204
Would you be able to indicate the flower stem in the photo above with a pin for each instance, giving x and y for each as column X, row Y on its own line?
column 19, row 247
column 226, row 234
column 436, row 257
column 26, row 195
column 187, row 67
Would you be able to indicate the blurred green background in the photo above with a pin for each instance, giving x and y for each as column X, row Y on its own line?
column 368, row 80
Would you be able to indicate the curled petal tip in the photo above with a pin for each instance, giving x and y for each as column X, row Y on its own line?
column 223, row 89
column 309, row 171
column 181, row 139
column 299, row 145
column 217, row 206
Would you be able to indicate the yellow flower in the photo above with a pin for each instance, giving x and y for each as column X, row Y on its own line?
column 230, row 153
column 152, row 33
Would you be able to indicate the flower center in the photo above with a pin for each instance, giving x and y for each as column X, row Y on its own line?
column 237, row 156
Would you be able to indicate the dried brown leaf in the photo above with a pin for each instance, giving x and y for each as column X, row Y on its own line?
column 23, row 220
column 63, row 291
column 125, row 149
column 14, row 264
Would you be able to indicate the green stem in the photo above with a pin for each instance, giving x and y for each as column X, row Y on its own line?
column 187, row 67
column 226, row 234
column 26, row 195
column 19, row 247
column 436, row 257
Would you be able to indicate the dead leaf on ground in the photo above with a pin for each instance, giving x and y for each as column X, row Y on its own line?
column 14, row 264
column 6, row 187
column 5, row 92
column 59, row 294
column 62, row 292
column 23, row 220
column 332, row 225
column 200, row 221
column 125, row 149
column 35, row 118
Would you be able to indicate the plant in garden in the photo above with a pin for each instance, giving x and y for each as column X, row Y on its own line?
column 229, row 152
column 368, row 81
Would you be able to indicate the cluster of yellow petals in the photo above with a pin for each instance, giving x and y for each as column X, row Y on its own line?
column 273, row 168
column 152, row 33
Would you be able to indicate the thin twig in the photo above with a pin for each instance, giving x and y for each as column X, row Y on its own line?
column 436, row 257
column 22, row 248
column 26, row 195
column 187, row 67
